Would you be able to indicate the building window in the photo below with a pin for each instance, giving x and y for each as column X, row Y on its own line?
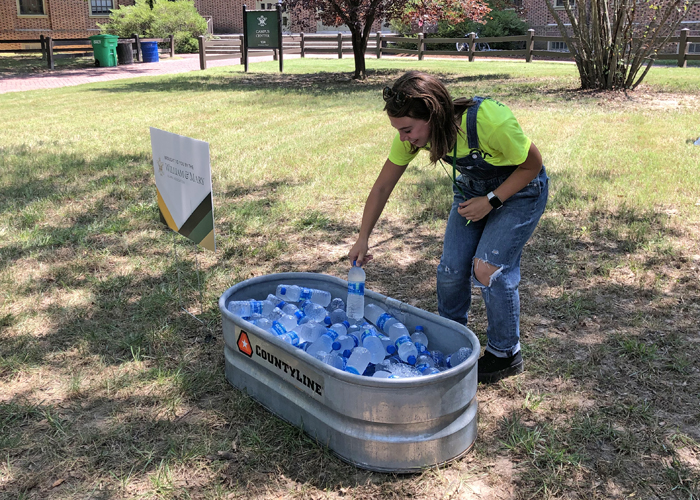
column 31, row 7
column 557, row 47
column 694, row 48
column 559, row 4
column 101, row 7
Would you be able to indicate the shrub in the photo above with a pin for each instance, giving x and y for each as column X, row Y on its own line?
column 179, row 18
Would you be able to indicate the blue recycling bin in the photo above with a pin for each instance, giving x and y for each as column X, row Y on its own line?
column 149, row 50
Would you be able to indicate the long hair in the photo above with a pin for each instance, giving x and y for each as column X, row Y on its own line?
column 423, row 96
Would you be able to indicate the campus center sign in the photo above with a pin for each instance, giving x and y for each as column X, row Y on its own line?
column 262, row 29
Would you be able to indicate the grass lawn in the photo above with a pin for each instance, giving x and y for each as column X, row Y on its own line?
column 108, row 390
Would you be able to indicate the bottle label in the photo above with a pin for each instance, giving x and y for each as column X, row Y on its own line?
column 366, row 334
column 403, row 340
column 277, row 328
column 256, row 307
column 354, row 339
column 332, row 334
column 293, row 337
column 305, row 293
column 299, row 315
column 356, row 288
column 381, row 320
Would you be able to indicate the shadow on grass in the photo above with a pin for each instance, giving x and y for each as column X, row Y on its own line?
column 312, row 84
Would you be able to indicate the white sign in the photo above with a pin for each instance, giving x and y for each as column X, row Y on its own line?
column 183, row 181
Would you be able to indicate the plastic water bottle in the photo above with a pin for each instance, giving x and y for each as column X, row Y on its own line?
column 397, row 330
column 425, row 359
column 406, row 350
column 291, row 338
column 383, row 374
column 371, row 341
column 310, row 332
column 379, row 317
column 263, row 323
column 389, row 346
column 294, row 293
column 279, row 316
column 315, row 312
column 358, row 361
column 324, row 342
column 458, row 357
column 275, row 299
column 337, row 303
column 345, row 343
column 419, row 339
column 427, row 370
column 247, row 308
column 331, row 359
column 439, row 358
column 356, row 292
column 338, row 316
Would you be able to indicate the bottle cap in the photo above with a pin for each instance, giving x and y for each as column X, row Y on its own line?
column 335, row 345
column 347, row 353
column 411, row 360
column 391, row 349
column 419, row 328
column 283, row 291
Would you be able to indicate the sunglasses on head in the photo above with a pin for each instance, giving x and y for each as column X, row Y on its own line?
column 398, row 97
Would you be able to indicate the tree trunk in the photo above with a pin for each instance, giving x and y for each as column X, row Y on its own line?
column 358, row 50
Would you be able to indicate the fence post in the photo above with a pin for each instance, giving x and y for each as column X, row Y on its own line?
column 138, row 47
column 530, row 45
column 421, row 46
column 202, row 53
column 43, row 47
column 49, row 52
column 379, row 44
column 172, row 45
column 472, row 36
column 340, row 45
column 243, row 51
column 683, row 48
column 301, row 45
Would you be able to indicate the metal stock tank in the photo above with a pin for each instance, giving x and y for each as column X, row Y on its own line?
column 386, row 425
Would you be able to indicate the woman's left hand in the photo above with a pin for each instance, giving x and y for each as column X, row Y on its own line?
column 475, row 208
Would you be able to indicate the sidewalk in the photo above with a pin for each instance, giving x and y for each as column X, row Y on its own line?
column 181, row 63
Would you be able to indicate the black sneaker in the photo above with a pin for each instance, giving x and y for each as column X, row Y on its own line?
column 492, row 368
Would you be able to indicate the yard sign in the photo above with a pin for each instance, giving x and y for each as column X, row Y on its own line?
column 262, row 29
column 183, row 186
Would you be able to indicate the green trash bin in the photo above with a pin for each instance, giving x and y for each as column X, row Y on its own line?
column 105, row 49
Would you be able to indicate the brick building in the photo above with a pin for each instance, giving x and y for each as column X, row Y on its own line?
column 28, row 19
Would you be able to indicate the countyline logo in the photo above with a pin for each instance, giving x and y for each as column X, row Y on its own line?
column 245, row 346
column 262, row 20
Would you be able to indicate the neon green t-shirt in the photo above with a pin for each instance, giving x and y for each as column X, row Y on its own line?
column 501, row 140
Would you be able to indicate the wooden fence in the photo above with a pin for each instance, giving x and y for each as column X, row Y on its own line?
column 230, row 46
column 52, row 49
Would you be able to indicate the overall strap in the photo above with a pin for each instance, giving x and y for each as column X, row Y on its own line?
column 472, row 136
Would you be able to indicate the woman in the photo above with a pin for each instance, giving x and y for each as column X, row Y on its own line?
column 499, row 197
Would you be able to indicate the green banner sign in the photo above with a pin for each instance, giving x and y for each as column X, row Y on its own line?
column 261, row 29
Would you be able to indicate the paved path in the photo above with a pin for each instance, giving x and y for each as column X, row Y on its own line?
column 181, row 63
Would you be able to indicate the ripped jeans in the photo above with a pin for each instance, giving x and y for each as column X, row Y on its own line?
column 498, row 239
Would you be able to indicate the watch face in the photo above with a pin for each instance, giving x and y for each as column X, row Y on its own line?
column 495, row 202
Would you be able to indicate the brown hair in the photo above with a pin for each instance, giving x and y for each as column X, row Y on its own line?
column 424, row 97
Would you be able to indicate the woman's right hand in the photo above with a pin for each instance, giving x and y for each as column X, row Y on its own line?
column 359, row 252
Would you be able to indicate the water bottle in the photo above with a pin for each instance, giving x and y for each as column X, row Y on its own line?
column 356, row 292
column 315, row 312
column 439, row 358
column 379, row 317
column 309, row 332
column 324, row 342
column 397, row 330
column 358, row 361
column 263, row 323
column 338, row 315
column 383, row 374
column 291, row 338
column 294, row 293
column 345, row 343
column 388, row 344
column 427, row 370
column 337, row 303
column 247, row 308
column 419, row 339
column 458, row 357
column 371, row 341
column 331, row 359
column 425, row 359
column 406, row 350
column 279, row 316
column 275, row 300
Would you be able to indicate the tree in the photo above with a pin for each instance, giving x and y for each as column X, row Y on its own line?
column 612, row 40
column 452, row 11
column 357, row 15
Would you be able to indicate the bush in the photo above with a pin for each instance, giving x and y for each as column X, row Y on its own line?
column 179, row 18
column 498, row 23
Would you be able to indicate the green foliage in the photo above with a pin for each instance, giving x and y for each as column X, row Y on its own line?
column 179, row 18
column 504, row 23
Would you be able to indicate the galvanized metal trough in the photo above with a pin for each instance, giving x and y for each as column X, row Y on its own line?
column 386, row 425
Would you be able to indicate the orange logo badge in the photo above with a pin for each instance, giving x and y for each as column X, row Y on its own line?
column 244, row 344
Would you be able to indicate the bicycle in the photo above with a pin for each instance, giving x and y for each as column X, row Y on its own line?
column 478, row 46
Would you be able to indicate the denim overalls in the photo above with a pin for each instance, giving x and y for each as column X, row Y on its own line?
column 498, row 239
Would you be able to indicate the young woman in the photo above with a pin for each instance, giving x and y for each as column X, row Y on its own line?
column 499, row 196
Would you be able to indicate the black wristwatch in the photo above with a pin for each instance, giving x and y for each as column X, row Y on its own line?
column 494, row 200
